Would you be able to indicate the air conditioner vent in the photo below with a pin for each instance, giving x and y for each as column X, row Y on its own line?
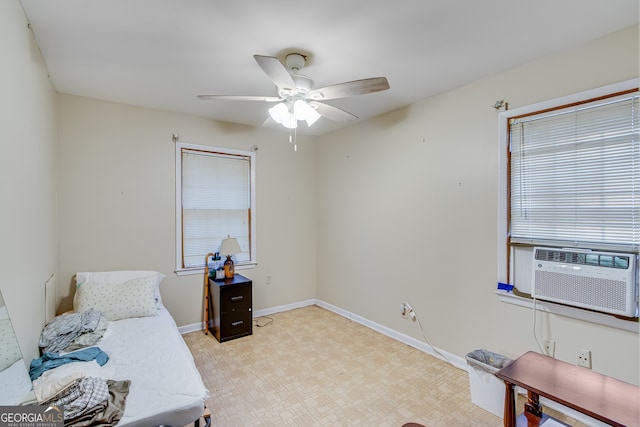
column 596, row 259
column 601, row 281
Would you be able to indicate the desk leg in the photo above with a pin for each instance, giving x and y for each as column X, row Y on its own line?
column 533, row 409
column 509, row 405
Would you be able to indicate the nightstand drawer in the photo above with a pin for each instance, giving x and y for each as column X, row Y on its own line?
column 235, row 298
column 236, row 324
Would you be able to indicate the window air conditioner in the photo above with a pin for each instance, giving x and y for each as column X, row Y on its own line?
column 600, row 281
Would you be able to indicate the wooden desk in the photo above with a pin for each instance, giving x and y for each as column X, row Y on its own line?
column 604, row 398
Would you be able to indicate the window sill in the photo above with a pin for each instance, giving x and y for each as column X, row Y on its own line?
column 575, row 313
column 200, row 270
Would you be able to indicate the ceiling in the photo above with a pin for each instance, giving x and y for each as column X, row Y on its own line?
column 162, row 53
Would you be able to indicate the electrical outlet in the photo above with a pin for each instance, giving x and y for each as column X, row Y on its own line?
column 406, row 311
column 403, row 310
column 268, row 280
column 584, row 358
column 549, row 347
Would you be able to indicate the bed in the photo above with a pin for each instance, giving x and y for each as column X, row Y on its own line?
column 144, row 348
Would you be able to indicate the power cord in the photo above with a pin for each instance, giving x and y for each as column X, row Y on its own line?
column 267, row 323
column 409, row 311
column 535, row 317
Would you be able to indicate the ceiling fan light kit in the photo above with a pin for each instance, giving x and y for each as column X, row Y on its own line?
column 297, row 99
column 289, row 112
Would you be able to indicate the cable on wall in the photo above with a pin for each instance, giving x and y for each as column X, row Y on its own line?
column 413, row 315
column 535, row 335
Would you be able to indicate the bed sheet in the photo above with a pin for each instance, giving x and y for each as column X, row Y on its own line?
column 15, row 385
column 166, row 386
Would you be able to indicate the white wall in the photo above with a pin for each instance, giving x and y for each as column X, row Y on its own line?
column 407, row 211
column 117, row 201
column 28, row 233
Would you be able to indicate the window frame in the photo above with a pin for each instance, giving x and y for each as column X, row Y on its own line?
column 504, row 219
column 180, row 146
column 505, row 263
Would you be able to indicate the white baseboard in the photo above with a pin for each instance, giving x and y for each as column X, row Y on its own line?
column 193, row 327
column 454, row 360
column 286, row 307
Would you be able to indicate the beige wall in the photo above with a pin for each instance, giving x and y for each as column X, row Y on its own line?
column 117, row 201
column 407, row 211
column 28, row 232
column 379, row 208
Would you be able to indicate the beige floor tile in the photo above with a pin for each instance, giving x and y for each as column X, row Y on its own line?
column 312, row 367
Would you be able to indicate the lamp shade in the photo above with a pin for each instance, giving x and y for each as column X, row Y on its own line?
column 303, row 111
column 280, row 114
column 230, row 246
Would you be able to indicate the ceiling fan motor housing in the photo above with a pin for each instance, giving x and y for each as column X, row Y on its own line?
column 304, row 84
column 294, row 61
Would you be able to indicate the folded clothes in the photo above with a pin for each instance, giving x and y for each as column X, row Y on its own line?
column 107, row 413
column 82, row 396
column 52, row 360
column 91, row 402
column 63, row 330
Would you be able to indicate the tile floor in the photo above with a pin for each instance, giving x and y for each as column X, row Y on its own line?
column 312, row 367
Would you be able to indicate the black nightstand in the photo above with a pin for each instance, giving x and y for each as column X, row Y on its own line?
column 230, row 306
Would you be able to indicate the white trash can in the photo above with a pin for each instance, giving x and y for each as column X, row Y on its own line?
column 487, row 390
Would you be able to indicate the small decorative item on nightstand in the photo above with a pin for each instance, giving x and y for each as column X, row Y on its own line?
column 214, row 264
column 229, row 247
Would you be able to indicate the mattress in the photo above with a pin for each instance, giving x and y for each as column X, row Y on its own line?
column 15, row 384
column 166, row 387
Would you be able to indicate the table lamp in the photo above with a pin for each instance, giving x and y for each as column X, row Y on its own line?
column 229, row 247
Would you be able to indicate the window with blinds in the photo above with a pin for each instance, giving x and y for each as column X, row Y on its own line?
column 575, row 175
column 214, row 198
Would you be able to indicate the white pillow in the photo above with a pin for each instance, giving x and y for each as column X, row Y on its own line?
column 120, row 277
column 134, row 298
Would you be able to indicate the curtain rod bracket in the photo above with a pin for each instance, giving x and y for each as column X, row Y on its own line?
column 500, row 105
column 175, row 137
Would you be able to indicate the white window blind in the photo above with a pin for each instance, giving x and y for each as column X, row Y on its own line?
column 215, row 203
column 575, row 176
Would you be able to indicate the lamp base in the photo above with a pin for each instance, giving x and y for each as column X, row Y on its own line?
column 229, row 268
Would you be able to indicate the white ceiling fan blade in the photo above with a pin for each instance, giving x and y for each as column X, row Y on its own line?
column 241, row 98
column 276, row 71
column 333, row 113
column 269, row 122
column 356, row 87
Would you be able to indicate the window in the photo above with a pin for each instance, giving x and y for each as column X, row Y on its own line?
column 575, row 176
column 215, row 198
column 570, row 177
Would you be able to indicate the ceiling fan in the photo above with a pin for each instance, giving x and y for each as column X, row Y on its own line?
column 297, row 99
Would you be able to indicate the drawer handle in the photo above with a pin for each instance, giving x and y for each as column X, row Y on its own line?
column 237, row 298
column 237, row 323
